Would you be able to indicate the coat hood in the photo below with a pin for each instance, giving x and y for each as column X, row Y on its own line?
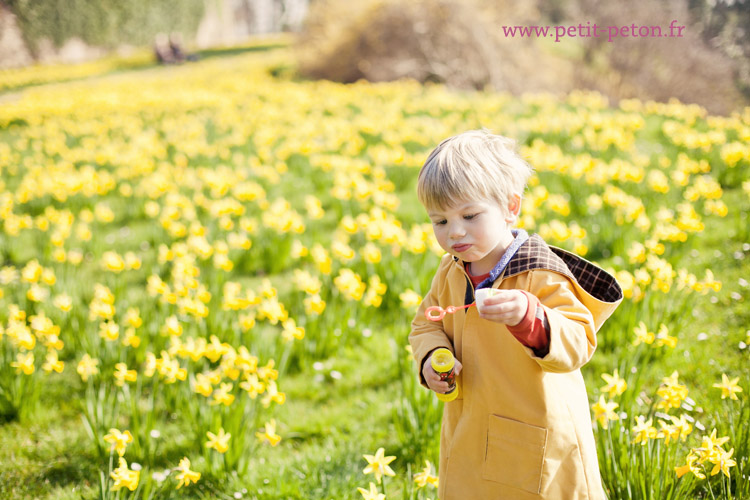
column 597, row 289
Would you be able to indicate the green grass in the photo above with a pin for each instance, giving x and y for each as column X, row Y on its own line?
column 355, row 391
column 329, row 424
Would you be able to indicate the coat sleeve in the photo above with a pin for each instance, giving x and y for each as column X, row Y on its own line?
column 427, row 335
column 572, row 335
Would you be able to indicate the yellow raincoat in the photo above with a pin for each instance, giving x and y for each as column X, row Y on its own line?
column 520, row 427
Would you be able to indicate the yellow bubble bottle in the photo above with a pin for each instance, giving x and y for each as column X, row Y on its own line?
column 443, row 362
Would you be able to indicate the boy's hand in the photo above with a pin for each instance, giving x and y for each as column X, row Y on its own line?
column 433, row 379
column 505, row 306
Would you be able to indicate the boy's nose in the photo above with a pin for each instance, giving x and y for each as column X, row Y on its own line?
column 456, row 231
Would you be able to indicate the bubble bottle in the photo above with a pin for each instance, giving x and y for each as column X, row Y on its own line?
column 443, row 362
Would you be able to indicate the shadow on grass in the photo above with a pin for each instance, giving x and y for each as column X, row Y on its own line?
column 151, row 63
column 38, row 479
column 233, row 51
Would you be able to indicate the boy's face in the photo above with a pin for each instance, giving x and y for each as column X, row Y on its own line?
column 475, row 231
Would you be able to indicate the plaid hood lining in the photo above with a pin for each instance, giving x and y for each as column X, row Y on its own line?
column 536, row 254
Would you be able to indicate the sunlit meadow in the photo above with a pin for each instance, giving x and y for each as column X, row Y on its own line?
column 210, row 270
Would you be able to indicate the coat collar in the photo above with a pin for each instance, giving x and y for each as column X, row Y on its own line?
column 520, row 237
column 527, row 253
column 536, row 254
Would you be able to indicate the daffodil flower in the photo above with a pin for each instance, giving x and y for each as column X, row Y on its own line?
column 219, row 442
column 378, row 464
column 426, row 477
column 604, row 411
column 124, row 477
column 269, row 433
column 372, row 493
column 722, row 462
column 615, row 385
column 728, row 387
column 185, row 476
column 119, row 440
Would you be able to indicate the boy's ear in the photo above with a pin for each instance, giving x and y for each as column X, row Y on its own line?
column 514, row 208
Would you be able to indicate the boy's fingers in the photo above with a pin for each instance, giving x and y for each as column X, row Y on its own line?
column 498, row 297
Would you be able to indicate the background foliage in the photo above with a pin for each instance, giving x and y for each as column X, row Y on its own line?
column 105, row 23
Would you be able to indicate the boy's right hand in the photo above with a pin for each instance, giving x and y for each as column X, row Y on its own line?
column 433, row 379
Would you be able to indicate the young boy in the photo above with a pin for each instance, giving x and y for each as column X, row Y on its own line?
column 520, row 427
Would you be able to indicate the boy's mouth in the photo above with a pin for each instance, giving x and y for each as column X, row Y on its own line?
column 462, row 247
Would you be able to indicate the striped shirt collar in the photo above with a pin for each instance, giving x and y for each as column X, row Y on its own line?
column 520, row 237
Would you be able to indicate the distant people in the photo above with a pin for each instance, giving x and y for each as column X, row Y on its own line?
column 163, row 49
column 175, row 46
column 169, row 49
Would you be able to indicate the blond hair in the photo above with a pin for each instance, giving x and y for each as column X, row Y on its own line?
column 474, row 165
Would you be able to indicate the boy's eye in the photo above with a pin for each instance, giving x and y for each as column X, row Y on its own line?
column 469, row 217
column 439, row 222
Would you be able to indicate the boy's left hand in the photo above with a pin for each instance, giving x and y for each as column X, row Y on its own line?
column 505, row 306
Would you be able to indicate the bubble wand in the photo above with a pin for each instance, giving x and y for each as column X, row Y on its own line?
column 442, row 312
column 481, row 295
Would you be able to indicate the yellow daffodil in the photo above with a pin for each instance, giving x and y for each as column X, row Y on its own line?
column 307, row 282
column 219, row 442
column 680, row 428
column 292, row 331
column 604, row 412
column 268, row 372
column 272, row 394
column 642, row 335
column 113, row 262
column 119, row 440
column 109, row 330
column 643, row 430
column 372, row 493
column 314, row 305
column 133, row 317
column 378, row 464
column 37, row 293
column 269, row 435
column 664, row 339
column 426, row 477
column 52, row 363
column 712, row 442
column 185, row 476
column 252, row 385
column 409, row 299
column 615, row 385
column 122, row 374
column 124, row 477
column 728, row 387
column 32, row 272
column 671, row 392
column 202, row 385
column 172, row 326
column 371, row 253
column 692, row 465
column 87, row 367
column 298, row 250
column 222, row 395
column 722, row 461
column 63, row 302
column 24, row 363
column 350, row 284
column 130, row 338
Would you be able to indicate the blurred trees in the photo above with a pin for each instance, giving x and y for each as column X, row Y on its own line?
column 103, row 23
column 725, row 25
column 108, row 24
column 462, row 43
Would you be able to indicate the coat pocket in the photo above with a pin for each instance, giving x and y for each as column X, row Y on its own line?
column 514, row 454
